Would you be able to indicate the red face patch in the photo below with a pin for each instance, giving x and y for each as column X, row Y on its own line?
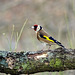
column 35, row 27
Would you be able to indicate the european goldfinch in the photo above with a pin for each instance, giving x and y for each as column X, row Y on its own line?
column 44, row 37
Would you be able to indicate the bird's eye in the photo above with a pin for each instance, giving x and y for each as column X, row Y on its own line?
column 38, row 28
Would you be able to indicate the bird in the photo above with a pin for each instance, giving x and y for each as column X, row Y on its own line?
column 44, row 37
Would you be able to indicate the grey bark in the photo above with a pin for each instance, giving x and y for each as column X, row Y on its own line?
column 16, row 63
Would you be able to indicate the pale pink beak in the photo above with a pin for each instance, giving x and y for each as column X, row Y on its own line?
column 32, row 27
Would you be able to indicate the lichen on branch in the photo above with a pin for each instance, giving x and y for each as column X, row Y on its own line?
column 39, row 61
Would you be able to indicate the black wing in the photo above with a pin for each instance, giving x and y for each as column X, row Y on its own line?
column 51, row 38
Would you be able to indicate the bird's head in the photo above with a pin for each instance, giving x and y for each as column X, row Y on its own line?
column 36, row 27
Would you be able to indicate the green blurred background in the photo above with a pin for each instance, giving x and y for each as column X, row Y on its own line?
column 57, row 17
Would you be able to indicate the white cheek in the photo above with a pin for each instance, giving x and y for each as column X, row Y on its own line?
column 38, row 29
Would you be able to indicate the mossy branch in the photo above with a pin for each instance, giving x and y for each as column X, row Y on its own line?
column 41, row 61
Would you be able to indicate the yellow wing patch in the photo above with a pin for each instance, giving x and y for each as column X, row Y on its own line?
column 48, row 38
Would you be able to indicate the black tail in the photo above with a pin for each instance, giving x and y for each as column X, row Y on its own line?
column 58, row 43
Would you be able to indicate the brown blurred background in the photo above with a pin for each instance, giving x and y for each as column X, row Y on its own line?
column 57, row 17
